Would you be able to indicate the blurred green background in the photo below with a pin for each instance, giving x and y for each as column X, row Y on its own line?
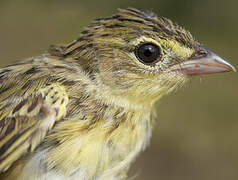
column 197, row 130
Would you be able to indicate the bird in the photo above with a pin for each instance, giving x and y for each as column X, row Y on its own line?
column 86, row 109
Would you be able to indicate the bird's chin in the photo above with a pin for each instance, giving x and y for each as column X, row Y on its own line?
column 206, row 62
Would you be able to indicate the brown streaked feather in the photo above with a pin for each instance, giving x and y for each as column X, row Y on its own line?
column 29, row 110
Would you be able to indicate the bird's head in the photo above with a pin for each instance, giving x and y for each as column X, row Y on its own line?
column 138, row 57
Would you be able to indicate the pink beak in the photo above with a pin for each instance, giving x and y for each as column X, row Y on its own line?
column 204, row 62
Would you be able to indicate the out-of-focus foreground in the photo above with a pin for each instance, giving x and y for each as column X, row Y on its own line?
column 197, row 129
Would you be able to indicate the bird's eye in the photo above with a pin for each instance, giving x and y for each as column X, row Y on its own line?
column 148, row 53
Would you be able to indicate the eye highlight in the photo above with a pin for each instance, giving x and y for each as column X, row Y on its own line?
column 148, row 53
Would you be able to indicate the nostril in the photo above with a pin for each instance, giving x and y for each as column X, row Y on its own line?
column 199, row 54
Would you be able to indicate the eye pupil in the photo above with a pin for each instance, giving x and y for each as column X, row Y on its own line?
column 148, row 53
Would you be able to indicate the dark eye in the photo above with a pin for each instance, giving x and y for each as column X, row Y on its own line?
column 148, row 53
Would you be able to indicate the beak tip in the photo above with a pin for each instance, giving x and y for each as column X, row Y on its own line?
column 230, row 67
column 233, row 69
